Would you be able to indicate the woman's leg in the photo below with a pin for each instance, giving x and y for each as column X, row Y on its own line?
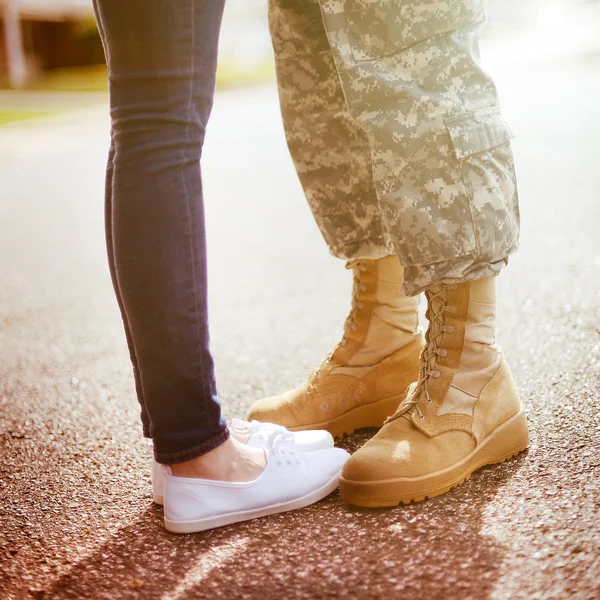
column 113, row 275
column 162, row 62
column 111, row 263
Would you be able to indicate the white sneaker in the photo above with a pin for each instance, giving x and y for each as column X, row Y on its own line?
column 300, row 441
column 290, row 480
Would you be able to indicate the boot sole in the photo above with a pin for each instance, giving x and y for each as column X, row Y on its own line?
column 247, row 515
column 372, row 414
column 506, row 441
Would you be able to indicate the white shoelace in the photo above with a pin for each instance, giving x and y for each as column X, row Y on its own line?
column 258, row 427
column 278, row 439
column 275, row 445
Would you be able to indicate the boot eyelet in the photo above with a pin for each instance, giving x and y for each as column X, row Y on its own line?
column 428, row 400
column 449, row 329
column 443, row 352
column 324, row 406
column 344, row 401
column 362, row 287
column 453, row 286
column 421, row 416
column 360, row 304
column 451, row 309
column 353, row 326
column 344, row 342
column 435, row 374
column 363, row 267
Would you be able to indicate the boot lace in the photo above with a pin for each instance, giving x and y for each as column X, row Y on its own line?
column 358, row 286
column 438, row 306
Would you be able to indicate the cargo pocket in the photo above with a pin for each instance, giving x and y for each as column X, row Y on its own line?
column 481, row 142
column 377, row 28
column 478, row 131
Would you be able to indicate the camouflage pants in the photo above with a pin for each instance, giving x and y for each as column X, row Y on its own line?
column 396, row 133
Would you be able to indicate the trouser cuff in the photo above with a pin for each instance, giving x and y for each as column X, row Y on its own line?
column 418, row 278
column 172, row 458
column 363, row 249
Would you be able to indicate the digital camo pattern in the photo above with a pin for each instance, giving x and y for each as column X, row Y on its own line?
column 376, row 28
column 439, row 149
column 330, row 151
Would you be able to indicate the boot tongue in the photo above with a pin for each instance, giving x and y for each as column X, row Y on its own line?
column 437, row 298
column 358, row 286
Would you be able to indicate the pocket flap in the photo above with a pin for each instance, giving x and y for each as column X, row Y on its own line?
column 478, row 131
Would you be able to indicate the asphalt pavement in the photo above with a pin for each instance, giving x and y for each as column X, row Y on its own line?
column 76, row 517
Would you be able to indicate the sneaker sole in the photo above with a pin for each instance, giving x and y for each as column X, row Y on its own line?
column 372, row 414
column 506, row 441
column 247, row 515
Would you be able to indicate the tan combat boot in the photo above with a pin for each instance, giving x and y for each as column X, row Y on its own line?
column 464, row 412
column 366, row 375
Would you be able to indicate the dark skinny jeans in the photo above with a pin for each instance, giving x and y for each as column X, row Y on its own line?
column 162, row 57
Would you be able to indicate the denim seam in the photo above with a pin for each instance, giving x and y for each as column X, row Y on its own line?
column 187, row 203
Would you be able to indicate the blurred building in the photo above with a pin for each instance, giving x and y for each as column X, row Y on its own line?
column 36, row 35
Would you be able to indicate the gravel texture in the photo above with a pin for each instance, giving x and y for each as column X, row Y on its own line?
column 76, row 518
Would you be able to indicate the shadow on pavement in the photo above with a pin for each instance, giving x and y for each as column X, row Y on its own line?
column 433, row 549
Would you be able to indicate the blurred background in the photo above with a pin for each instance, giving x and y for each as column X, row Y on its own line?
column 54, row 45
